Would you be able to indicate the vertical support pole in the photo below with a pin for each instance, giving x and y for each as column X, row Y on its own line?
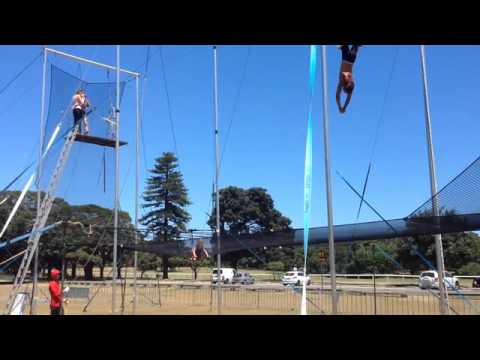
column 444, row 309
column 328, row 181
column 217, row 197
column 39, row 176
column 137, row 186
column 64, row 251
column 117, row 182
column 321, row 274
column 374, row 294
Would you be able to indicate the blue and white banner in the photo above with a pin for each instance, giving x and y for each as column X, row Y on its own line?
column 307, row 209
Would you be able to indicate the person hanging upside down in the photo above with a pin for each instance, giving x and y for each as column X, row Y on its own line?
column 345, row 81
column 80, row 103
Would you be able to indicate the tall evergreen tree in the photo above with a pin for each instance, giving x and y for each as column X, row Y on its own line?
column 166, row 198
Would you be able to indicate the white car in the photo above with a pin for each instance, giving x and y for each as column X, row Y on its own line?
column 429, row 280
column 226, row 275
column 295, row 278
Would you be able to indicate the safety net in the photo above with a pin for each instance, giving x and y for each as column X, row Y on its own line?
column 459, row 210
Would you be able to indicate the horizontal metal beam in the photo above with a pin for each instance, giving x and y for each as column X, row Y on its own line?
column 26, row 236
column 78, row 58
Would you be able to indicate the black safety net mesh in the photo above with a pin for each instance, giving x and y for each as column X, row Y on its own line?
column 88, row 177
column 458, row 204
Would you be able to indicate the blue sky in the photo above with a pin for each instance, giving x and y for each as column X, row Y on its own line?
column 266, row 146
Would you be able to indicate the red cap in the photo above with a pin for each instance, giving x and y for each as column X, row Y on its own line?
column 55, row 273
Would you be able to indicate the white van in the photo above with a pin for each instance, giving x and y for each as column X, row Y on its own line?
column 226, row 275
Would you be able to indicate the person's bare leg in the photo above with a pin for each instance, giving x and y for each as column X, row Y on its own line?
column 85, row 123
column 355, row 49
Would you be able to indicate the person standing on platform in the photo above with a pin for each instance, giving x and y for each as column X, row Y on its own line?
column 80, row 104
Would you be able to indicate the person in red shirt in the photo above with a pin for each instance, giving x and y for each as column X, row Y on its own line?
column 55, row 289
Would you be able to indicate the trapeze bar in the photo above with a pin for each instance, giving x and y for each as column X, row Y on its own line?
column 97, row 140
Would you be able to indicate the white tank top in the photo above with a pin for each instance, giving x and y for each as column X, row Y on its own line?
column 77, row 105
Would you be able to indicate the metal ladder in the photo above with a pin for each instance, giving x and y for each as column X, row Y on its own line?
column 42, row 217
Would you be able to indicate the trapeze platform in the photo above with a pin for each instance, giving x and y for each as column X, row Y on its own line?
column 98, row 140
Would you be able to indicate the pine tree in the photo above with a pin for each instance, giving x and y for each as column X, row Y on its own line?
column 166, row 199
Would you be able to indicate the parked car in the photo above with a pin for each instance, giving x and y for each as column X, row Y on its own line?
column 226, row 275
column 243, row 278
column 476, row 282
column 295, row 277
column 429, row 280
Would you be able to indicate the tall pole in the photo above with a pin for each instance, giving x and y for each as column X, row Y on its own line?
column 137, row 184
column 328, row 182
column 39, row 175
column 117, row 182
column 217, row 197
column 444, row 309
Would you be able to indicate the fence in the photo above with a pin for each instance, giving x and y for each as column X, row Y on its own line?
column 191, row 299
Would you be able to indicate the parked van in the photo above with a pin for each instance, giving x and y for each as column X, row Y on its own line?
column 226, row 275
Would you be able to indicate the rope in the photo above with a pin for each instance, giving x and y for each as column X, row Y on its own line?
column 150, row 56
column 426, row 261
column 235, row 104
column 377, row 131
column 13, row 257
column 4, row 88
column 95, row 51
column 430, row 265
column 142, row 108
column 102, row 237
column 16, row 100
column 172, row 129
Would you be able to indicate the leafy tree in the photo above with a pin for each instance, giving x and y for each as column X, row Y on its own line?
column 246, row 212
column 472, row 268
column 166, row 199
column 369, row 257
column 199, row 263
column 147, row 262
column 275, row 266
column 461, row 249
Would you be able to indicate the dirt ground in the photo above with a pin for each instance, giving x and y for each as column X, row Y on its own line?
column 177, row 300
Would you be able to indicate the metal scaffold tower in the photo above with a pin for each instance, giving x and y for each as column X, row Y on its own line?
column 42, row 217
column 44, row 205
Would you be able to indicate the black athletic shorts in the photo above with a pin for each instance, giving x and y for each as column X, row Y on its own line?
column 78, row 114
column 349, row 54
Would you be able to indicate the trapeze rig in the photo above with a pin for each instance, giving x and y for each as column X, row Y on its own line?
column 44, row 205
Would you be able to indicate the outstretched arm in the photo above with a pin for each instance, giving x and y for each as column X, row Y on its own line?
column 339, row 90
column 349, row 97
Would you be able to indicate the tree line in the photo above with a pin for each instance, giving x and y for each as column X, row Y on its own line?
column 242, row 211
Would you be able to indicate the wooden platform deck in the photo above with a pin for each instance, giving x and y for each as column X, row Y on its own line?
column 97, row 140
